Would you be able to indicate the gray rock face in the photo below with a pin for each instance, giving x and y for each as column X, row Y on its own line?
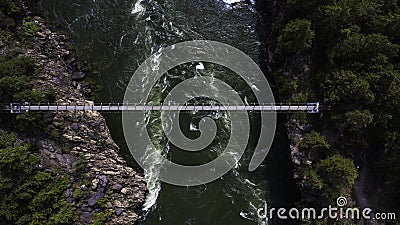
column 86, row 217
column 116, row 187
column 87, row 142
column 75, row 126
column 102, row 180
column 78, row 76
column 98, row 195
column 118, row 211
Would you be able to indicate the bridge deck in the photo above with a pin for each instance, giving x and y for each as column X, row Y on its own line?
column 18, row 108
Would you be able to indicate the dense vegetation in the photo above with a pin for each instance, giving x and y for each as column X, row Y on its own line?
column 345, row 54
column 28, row 194
column 16, row 70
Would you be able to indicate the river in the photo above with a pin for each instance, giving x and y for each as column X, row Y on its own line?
column 117, row 35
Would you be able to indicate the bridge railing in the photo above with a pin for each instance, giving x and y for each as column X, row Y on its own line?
column 27, row 107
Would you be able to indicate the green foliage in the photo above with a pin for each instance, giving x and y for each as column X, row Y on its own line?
column 102, row 203
column 338, row 175
column 10, row 86
column 359, row 50
column 299, row 117
column 65, row 214
column 315, row 146
column 33, row 122
column 287, row 86
column 355, row 121
column 80, row 165
column 100, row 218
column 7, row 140
column 311, row 179
column 388, row 24
column 14, row 77
column 13, row 159
column 9, row 7
column 314, row 141
column 30, row 29
column 298, row 98
column 345, row 87
column 352, row 60
column 51, row 195
column 5, row 37
column 29, row 196
column 18, row 66
column 14, row 87
column 77, row 194
column 296, row 37
column 30, row 95
column 326, row 180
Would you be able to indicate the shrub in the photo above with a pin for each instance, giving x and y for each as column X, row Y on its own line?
column 296, row 37
column 313, row 141
column 338, row 175
column 10, row 86
column 18, row 66
column 30, row 29
column 29, row 196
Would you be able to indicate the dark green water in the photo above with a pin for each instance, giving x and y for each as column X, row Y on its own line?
column 117, row 35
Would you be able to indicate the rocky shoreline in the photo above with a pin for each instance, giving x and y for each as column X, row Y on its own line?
column 101, row 184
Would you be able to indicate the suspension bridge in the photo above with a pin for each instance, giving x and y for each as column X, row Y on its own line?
column 16, row 108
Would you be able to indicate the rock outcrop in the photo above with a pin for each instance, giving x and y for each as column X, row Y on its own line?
column 101, row 183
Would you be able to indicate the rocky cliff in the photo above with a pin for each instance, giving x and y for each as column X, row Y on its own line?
column 102, row 186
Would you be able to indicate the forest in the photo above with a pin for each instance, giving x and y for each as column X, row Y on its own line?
column 28, row 195
column 344, row 54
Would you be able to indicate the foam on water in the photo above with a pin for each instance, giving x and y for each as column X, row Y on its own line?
column 231, row 1
column 152, row 178
column 138, row 8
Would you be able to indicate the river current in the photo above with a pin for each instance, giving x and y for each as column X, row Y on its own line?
column 116, row 36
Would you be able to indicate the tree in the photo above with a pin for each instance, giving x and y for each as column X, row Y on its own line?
column 296, row 37
column 390, row 169
column 18, row 66
column 28, row 195
column 30, row 95
column 359, row 50
column 305, row 8
column 338, row 175
column 390, row 163
column 388, row 24
column 315, row 145
column 7, row 139
column 355, row 121
column 314, row 141
column 311, row 180
column 345, row 87
column 9, row 6
column 30, row 29
column 10, row 86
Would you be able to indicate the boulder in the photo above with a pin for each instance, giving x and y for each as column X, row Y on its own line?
column 78, row 76
column 98, row 195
